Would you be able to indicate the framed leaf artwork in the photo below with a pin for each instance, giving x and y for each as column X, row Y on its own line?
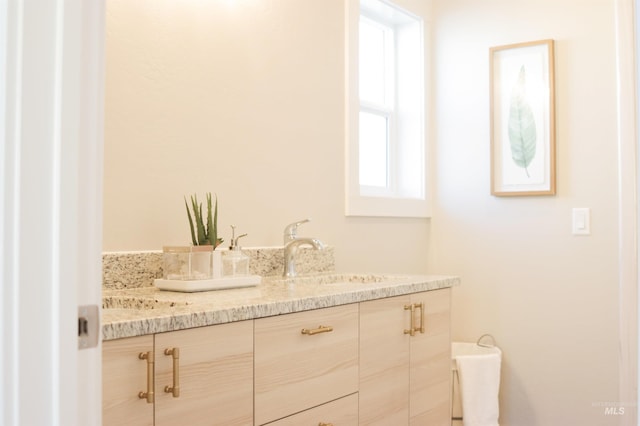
column 522, row 119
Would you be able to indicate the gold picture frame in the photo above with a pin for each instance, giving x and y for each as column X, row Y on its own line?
column 522, row 93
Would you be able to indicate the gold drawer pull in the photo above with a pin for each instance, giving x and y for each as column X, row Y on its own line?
column 421, row 328
column 175, row 389
column 320, row 329
column 149, row 394
column 325, row 424
column 412, row 330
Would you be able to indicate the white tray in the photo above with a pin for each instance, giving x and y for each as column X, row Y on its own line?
column 190, row 286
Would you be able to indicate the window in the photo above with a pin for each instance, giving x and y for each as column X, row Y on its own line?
column 385, row 96
column 375, row 83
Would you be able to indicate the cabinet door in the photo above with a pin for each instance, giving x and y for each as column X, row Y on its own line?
column 296, row 370
column 384, row 361
column 430, row 376
column 124, row 376
column 215, row 376
column 341, row 412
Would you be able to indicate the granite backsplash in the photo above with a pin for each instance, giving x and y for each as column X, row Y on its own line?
column 131, row 269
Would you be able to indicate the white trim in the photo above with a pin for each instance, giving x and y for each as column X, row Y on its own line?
column 51, row 196
column 627, row 208
column 56, row 139
column 10, row 46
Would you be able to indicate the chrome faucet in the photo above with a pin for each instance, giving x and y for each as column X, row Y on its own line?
column 291, row 244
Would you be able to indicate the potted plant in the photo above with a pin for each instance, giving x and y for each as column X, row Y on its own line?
column 195, row 262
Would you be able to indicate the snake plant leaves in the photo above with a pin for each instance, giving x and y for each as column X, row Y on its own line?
column 212, row 223
column 203, row 233
column 191, row 227
column 210, row 227
column 522, row 125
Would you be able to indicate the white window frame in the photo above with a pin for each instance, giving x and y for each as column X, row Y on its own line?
column 396, row 200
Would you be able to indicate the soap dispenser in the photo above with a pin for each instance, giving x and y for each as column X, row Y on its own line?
column 234, row 262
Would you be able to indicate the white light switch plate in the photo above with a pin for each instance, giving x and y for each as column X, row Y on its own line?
column 581, row 221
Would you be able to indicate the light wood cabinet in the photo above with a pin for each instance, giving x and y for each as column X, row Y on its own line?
column 303, row 360
column 124, row 376
column 380, row 362
column 341, row 412
column 212, row 372
column 404, row 378
column 215, row 376
column 384, row 361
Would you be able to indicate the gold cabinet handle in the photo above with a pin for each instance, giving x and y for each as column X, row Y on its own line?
column 412, row 330
column 175, row 388
column 149, row 394
column 320, row 329
column 325, row 424
column 421, row 306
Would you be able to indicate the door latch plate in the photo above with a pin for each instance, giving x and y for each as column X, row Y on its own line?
column 88, row 326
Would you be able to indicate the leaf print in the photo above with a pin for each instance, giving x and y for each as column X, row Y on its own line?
column 522, row 125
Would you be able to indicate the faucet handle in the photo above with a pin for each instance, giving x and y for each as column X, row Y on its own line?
column 291, row 230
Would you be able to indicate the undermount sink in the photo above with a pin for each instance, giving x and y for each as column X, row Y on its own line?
column 122, row 302
column 339, row 279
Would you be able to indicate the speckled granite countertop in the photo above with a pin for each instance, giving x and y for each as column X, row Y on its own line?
column 147, row 310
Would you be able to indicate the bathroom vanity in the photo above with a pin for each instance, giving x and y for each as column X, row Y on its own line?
column 321, row 349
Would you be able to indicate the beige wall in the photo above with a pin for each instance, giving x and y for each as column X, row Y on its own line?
column 244, row 99
column 549, row 298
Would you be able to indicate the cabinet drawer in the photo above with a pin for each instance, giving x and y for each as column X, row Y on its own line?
column 342, row 412
column 296, row 371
